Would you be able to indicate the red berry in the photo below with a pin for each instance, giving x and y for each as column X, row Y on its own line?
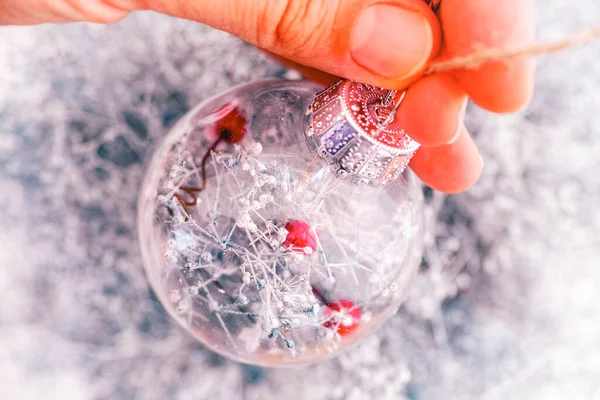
column 300, row 235
column 231, row 125
column 344, row 317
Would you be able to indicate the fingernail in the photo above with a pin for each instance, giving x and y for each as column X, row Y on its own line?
column 391, row 41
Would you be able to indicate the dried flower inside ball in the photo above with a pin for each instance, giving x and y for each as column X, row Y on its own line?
column 300, row 237
column 344, row 317
column 231, row 125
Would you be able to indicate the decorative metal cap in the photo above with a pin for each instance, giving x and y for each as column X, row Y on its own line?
column 353, row 124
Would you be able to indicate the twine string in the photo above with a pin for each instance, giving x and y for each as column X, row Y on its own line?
column 479, row 58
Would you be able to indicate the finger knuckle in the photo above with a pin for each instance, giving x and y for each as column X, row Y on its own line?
column 300, row 26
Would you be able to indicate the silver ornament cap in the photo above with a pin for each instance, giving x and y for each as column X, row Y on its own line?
column 354, row 129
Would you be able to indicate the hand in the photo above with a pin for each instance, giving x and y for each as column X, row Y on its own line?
column 387, row 44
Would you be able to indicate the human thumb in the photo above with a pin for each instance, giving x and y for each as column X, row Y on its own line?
column 387, row 44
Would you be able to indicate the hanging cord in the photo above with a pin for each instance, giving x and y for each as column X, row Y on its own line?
column 479, row 58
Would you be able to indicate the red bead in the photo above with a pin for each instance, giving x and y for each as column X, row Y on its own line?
column 344, row 317
column 300, row 235
column 231, row 125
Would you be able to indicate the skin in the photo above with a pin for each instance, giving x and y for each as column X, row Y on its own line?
column 316, row 38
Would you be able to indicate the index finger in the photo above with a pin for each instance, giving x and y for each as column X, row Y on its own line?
column 472, row 25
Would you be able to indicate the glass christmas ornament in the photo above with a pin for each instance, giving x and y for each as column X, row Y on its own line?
column 268, row 235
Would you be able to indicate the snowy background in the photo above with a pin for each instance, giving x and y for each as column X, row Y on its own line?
column 507, row 304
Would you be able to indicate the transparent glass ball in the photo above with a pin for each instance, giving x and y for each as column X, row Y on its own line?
column 256, row 247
